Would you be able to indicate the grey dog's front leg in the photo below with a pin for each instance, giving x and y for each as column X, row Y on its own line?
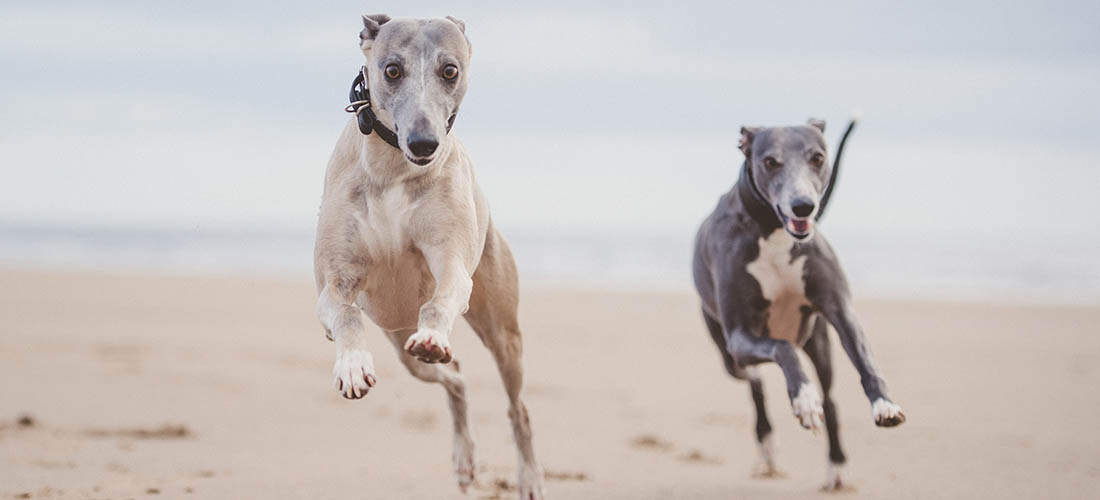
column 843, row 318
column 736, row 315
column 748, row 349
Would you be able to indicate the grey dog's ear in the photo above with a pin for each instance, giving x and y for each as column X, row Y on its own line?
column 371, row 25
column 458, row 22
column 747, row 134
column 817, row 123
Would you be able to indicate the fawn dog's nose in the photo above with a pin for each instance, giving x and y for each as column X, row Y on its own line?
column 422, row 145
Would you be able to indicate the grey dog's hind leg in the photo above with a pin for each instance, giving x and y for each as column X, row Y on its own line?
column 756, row 389
column 818, row 348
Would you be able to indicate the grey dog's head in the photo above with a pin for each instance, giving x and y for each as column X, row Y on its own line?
column 791, row 171
column 416, row 71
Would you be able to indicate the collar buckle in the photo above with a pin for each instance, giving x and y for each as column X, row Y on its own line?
column 360, row 103
column 364, row 114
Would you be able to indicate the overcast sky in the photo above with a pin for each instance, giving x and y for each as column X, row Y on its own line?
column 979, row 117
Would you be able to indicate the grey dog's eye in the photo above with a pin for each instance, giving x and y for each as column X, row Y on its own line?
column 393, row 72
column 817, row 159
column 450, row 72
column 770, row 162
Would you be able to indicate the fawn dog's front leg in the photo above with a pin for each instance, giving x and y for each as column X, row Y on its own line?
column 430, row 343
column 343, row 320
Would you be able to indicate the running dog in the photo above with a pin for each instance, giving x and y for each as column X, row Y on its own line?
column 404, row 234
column 766, row 283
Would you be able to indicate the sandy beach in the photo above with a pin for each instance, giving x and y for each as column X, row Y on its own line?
column 130, row 386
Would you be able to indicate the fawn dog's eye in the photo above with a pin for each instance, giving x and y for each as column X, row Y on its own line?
column 393, row 72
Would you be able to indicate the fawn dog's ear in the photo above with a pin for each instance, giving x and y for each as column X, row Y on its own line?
column 461, row 25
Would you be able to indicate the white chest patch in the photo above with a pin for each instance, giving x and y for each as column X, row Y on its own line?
column 780, row 280
column 383, row 227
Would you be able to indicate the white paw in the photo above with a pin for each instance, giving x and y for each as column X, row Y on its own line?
column 429, row 346
column 833, row 480
column 530, row 484
column 765, row 467
column 886, row 413
column 807, row 407
column 354, row 372
column 463, row 459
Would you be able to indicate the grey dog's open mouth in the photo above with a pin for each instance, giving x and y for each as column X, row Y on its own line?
column 800, row 227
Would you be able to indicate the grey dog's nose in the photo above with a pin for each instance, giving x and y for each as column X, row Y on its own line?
column 802, row 206
column 422, row 145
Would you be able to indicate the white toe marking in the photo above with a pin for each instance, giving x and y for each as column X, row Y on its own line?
column 354, row 372
column 463, row 460
column 882, row 409
column 807, row 407
column 766, row 468
column 833, row 479
column 530, row 483
column 430, row 338
column 767, row 451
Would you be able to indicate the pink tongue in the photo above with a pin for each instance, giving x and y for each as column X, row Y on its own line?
column 800, row 226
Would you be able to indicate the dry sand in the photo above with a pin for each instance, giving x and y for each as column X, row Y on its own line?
column 219, row 388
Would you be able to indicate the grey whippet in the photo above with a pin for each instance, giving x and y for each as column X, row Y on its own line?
column 404, row 233
column 766, row 282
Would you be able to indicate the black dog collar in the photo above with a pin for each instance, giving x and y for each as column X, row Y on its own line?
column 360, row 105
column 368, row 121
column 754, row 202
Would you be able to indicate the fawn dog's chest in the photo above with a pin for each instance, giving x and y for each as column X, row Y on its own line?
column 397, row 279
